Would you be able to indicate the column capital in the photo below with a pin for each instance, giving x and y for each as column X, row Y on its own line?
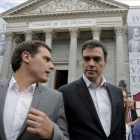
column 49, row 33
column 18, row 40
column 119, row 31
column 74, row 32
column 9, row 35
column 28, row 34
column 36, row 36
column 96, row 31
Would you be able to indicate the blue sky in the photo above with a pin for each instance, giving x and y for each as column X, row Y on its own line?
column 8, row 4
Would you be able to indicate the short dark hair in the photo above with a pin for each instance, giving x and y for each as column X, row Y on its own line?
column 29, row 46
column 95, row 43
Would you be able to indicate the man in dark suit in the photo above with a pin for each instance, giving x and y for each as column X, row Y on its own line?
column 28, row 110
column 132, row 113
column 94, row 108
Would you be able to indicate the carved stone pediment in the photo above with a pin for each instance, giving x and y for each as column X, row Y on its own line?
column 65, row 5
column 49, row 9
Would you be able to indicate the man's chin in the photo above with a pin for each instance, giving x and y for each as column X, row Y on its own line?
column 44, row 80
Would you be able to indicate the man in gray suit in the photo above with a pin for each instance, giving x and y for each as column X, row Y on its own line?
column 28, row 110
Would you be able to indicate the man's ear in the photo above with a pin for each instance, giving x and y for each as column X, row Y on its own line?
column 106, row 61
column 26, row 57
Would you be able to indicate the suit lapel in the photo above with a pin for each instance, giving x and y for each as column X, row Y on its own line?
column 34, row 104
column 83, row 92
column 3, row 92
column 113, row 105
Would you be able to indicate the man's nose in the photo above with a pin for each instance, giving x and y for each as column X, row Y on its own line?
column 51, row 66
column 91, row 62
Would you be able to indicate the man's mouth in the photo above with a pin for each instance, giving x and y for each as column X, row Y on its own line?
column 47, row 72
column 92, row 70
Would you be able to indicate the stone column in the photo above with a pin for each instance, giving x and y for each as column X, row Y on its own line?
column 17, row 40
column 73, row 53
column 7, row 55
column 119, row 55
column 29, row 35
column 49, row 33
column 96, row 31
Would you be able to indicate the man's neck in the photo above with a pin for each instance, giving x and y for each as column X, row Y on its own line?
column 23, row 81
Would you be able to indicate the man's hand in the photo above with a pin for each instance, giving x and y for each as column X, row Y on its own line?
column 40, row 124
column 133, row 123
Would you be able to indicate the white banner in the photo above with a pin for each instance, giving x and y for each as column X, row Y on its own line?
column 134, row 49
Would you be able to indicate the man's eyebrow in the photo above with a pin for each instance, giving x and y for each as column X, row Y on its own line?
column 92, row 57
column 48, row 58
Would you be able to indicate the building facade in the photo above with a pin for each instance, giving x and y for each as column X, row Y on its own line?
column 65, row 25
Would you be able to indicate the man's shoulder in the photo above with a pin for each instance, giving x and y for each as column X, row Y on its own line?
column 113, row 86
column 49, row 91
column 68, row 86
column 133, row 110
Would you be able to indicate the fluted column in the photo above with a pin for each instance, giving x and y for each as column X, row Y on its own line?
column 96, row 31
column 49, row 33
column 17, row 40
column 73, row 53
column 119, row 55
column 29, row 34
column 7, row 55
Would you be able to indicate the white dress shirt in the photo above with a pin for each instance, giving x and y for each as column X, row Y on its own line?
column 16, row 108
column 127, row 131
column 102, row 103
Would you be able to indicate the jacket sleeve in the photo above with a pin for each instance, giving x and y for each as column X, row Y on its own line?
column 60, row 125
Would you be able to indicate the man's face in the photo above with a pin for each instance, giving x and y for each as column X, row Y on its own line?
column 93, row 63
column 40, row 65
column 2, row 38
column 136, row 32
column 129, row 102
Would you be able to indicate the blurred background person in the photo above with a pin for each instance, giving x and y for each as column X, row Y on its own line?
column 132, row 113
column 128, row 127
column 136, row 131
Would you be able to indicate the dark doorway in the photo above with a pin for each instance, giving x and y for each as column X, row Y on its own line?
column 61, row 78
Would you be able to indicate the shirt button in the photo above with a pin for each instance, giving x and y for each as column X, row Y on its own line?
column 13, row 136
column 17, row 115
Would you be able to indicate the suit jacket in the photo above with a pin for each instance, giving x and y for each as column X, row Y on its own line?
column 134, row 115
column 82, row 118
column 46, row 100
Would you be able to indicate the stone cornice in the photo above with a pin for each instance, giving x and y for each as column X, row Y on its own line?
column 69, row 13
column 20, row 10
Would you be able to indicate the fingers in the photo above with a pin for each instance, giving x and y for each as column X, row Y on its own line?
column 33, row 130
column 40, row 124
column 34, row 124
column 35, row 112
column 34, row 118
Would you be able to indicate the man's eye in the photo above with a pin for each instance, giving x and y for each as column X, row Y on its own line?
column 97, row 59
column 47, row 59
column 86, row 58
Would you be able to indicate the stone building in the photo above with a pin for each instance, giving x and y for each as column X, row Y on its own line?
column 65, row 25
